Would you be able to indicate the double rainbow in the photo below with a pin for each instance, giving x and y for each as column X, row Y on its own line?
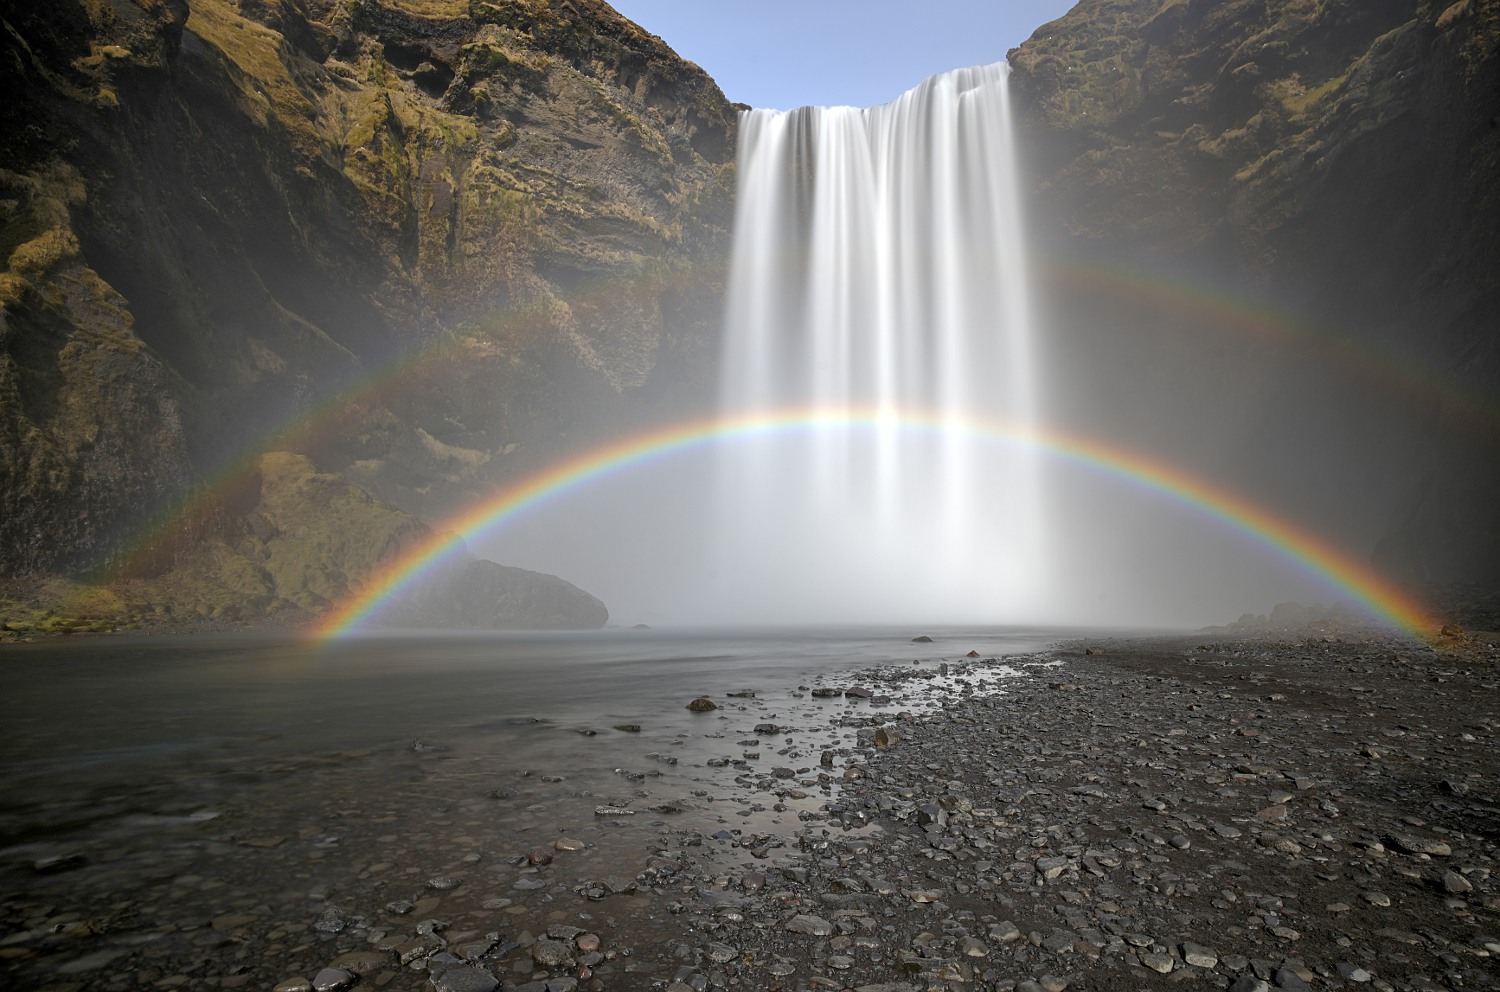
column 1277, row 534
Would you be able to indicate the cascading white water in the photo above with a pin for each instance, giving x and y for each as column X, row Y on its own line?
column 878, row 281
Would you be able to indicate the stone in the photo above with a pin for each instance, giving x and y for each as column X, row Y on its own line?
column 467, row 978
column 1248, row 983
column 806, row 923
column 551, row 953
column 1162, row 963
column 1287, row 978
column 702, row 705
column 1005, row 931
column 1199, row 956
column 568, row 844
column 1456, row 884
column 332, row 980
column 1353, row 972
column 613, row 811
column 1051, row 867
column 1412, row 844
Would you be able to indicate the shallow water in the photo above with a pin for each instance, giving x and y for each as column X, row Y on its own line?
column 214, row 800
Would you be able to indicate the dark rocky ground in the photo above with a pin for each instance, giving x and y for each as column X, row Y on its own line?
column 1312, row 809
column 1318, row 812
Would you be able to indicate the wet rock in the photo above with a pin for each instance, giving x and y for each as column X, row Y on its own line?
column 362, row 963
column 702, row 705
column 332, row 980
column 921, row 639
column 466, row 978
column 806, row 923
column 613, row 811
column 551, row 953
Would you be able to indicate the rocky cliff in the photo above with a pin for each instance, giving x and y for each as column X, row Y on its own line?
column 426, row 246
column 1269, row 228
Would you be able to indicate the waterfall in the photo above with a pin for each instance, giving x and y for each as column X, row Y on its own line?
column 878, row 281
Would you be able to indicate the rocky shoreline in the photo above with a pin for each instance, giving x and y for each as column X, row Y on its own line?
column 1296, row 810
column 1317, row 813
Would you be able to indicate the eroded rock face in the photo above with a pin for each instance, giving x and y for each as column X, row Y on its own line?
column 430, row 246
column 1268, row 230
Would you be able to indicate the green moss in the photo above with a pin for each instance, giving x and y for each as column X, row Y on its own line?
column 519, row 15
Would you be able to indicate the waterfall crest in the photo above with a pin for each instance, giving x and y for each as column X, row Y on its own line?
column 879, row 280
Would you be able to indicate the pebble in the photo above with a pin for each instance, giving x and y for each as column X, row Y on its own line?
column 464, row 979
column 1158, row 962
column 332, row 980
column 1455, row 883
column 809, row 924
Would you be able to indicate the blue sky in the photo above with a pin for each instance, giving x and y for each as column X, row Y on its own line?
column 787, row 53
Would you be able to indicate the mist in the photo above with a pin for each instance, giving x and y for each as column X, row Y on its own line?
column 882, row 277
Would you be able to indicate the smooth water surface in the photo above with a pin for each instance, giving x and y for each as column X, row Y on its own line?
column 228, row 806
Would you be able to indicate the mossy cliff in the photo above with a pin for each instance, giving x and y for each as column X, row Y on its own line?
column 426, row 245
column 1270, row 231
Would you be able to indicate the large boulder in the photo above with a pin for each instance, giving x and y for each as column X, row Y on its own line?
column 481, row 594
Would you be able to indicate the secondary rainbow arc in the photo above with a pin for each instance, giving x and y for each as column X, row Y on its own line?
column 1282, row 536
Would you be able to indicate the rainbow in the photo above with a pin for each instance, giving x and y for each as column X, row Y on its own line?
column 1281, row 536
column 303, row 430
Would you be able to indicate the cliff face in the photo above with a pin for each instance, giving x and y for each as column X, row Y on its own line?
column 1270, row 230
column 427, row 245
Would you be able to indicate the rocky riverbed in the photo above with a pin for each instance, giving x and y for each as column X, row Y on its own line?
column 1311, row 809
